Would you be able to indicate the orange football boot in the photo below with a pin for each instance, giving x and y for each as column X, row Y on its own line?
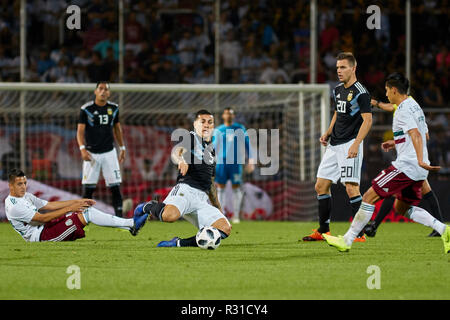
column 315, row 236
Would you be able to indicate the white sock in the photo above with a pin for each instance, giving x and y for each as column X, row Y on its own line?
column 106, row 220
column 221, row 196
column 360, row 220
column 237, row 201
column 422, row 216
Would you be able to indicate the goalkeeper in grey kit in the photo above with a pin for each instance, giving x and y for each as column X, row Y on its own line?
column 195, row 186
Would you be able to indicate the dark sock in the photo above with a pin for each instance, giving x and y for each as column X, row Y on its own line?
column 355, row 203
column 155, row 209
column 324, row 212
column 223, row 235
column 433, row 203
column 117, row 200
column 189, row 242
column 385, row 208
column 88, row 191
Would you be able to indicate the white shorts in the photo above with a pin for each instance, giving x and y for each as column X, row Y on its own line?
column 335, row 165
column 193, row 205
column 107, row 163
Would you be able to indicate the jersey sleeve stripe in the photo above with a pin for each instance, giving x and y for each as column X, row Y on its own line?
column 360, row 87
column 87, row 104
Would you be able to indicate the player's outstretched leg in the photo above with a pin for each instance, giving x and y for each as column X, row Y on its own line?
column 371, row 228
column 102, row 219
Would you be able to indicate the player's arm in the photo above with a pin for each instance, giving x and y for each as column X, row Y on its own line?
column 118, row 135
column 55, row 205
column 416, row 139
column 324, row 138
column 213, row 195
column 81, row 144
column 76, row 207
column 383, row 106
column 366, row 114
column 178, row 159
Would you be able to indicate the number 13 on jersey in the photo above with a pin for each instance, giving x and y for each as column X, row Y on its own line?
column 103, row 118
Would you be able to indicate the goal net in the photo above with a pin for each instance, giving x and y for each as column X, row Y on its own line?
column 38, row 133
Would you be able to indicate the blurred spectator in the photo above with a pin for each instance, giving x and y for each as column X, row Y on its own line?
column 163, row 43
column 44, row 62
column 328, row 36
column 172, row 56
column 110, row 42
column 432, row 96
column 201, row 41
column 443, row 58
column 186, row 48
column 133, row 34
column 167, row 73
column 58, row 71
column 272, row 72
column 94, row 35
column 51, row 11
column 97, row 70
column 230, row 53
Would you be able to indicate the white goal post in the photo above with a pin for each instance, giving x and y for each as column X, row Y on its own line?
column 49, row 112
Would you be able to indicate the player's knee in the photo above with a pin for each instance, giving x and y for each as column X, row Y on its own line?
column 170, row 214
column 352, row 190
column 321, row 188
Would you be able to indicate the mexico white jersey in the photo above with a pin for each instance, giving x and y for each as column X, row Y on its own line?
column 408, row 116
column 20, row 211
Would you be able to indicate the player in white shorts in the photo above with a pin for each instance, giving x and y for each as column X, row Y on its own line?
column 188, row 199
column 97, row 127
column 404, row 178
column 343, row 157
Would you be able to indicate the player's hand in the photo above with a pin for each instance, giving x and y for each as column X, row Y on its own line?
column 388, row 145
column 88, row 202
column 429, row 167
column 373, row 102
column 78, row 207
column 249, row 168
column 85, row 155
column 324, row 139
column 183, row 167
column 122, row 156
column 353, row 151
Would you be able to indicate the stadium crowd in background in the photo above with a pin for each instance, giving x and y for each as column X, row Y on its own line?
column 263, row 41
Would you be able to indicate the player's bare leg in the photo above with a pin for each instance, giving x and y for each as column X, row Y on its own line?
column 323, row 190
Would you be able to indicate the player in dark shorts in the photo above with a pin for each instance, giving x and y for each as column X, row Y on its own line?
column 97, row 127
column 37, row 220
column 343, row 157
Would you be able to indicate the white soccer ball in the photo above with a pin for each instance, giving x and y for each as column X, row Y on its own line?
column 208, row 238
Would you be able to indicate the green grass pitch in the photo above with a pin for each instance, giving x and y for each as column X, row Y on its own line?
column 261, row 260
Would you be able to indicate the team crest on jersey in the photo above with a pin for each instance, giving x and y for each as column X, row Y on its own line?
column 69, row 222
column 109, row 111
column 350, row 96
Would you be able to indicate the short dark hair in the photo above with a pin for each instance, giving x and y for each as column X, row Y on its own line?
column 347, row 56
column 399, row 81
column 14, row 173
column 202, row 112
column 100, row 82
column 228, row 109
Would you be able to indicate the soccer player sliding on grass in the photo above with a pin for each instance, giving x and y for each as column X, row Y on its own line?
column 195, row 157
column 40, row 220
column 428, row 195
column 404, row 178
